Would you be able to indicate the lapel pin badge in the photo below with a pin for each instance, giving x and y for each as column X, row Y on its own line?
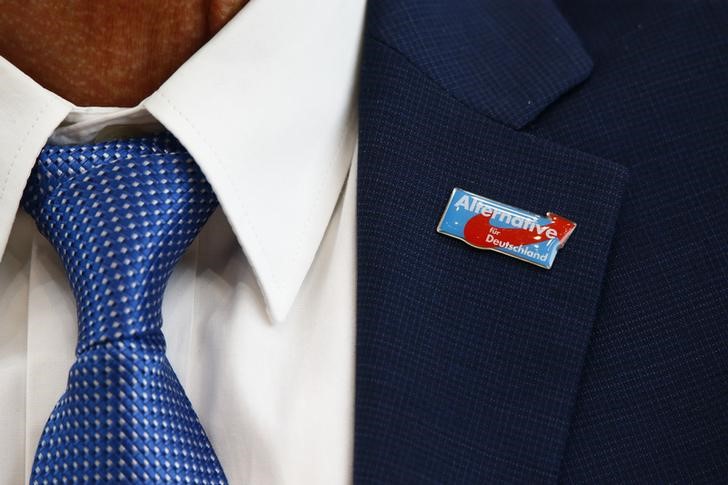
column 487, row 224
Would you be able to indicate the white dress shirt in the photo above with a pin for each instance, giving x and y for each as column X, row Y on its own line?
column 260, row 313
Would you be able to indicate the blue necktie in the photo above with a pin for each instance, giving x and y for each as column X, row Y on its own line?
column 120, row 215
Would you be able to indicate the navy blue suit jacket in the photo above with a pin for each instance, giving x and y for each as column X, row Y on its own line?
column 612, row 367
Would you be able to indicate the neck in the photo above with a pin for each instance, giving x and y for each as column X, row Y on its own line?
column 110, row 53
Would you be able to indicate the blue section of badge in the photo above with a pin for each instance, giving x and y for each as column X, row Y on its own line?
column 501, row 228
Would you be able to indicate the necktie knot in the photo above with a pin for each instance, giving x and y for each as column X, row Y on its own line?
column 120, row 216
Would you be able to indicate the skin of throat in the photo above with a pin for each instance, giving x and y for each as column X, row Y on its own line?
column 111, row 52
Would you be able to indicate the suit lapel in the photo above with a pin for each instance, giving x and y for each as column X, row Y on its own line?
column 467, row 362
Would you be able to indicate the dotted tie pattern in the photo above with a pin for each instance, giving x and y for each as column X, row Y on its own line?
column 120, row 215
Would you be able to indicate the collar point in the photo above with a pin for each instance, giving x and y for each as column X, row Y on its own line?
column 278, row 303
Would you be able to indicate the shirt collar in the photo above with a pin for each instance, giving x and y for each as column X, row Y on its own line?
column 28, row 115
column 266, row 108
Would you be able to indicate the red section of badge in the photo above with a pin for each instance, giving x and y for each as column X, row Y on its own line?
column 478, row 228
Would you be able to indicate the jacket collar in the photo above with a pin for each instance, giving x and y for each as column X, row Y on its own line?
column 505, row 59
column 267, row 109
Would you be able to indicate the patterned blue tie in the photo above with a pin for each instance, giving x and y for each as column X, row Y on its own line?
column 120, row 215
